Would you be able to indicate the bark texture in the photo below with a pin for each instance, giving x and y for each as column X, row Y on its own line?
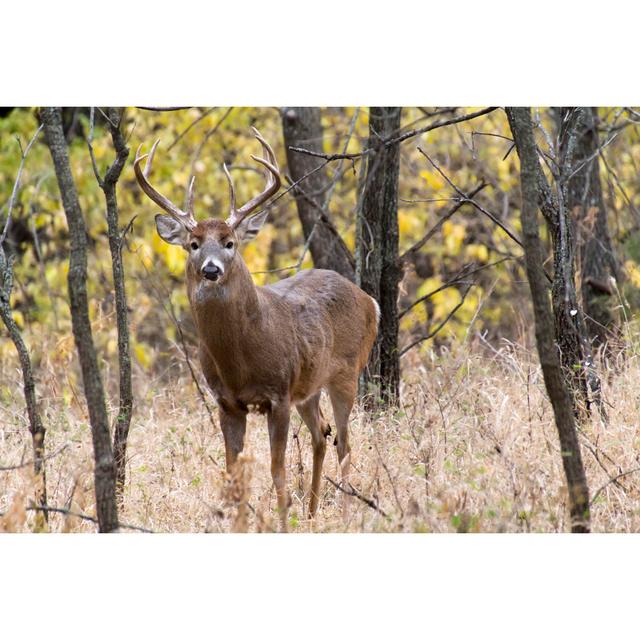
column 559, row 394
column 122, row 421
column 36, row 427
column 596, row 257
column 104, row 473
column 570, row 331
column 302, row 127
column 378, row 269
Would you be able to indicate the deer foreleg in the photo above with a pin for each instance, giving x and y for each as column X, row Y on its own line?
column 234, row 425
column 278, row 420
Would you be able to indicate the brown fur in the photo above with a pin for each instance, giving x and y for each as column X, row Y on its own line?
column 273, row 346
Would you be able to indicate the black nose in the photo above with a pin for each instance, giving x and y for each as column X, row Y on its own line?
column 211, row 271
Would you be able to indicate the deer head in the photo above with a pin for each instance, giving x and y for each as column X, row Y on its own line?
column 212, row 244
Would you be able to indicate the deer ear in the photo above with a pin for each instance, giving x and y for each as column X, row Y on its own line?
column 171, row 230
column 248, row 228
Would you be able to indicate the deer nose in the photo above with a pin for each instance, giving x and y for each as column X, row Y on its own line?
column 211, row 271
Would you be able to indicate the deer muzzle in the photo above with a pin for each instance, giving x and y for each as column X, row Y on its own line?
column 211, row 271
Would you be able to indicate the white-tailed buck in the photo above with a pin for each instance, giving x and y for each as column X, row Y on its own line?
column 267, row 348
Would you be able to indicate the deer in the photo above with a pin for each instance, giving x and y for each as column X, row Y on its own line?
column 268, row 348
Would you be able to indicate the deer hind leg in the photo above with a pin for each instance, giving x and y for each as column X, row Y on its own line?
column 319, row 428
column 278, row 421
column 233, row 423
column 343, row 395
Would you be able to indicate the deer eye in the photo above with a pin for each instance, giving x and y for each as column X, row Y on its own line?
column 195, row 245
column 229, row 245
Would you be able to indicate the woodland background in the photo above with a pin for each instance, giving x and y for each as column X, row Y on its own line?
column 470, row 446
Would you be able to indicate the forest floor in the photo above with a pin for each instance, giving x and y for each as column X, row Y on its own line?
column 472, row 448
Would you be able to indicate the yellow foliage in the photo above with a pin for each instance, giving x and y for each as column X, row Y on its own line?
column 453, row 236
column 408, row 223
column 7, row 350
column 112, row 346
column 143, row 354
column 19, row 318
column 477, row 252
column 172, row 255
column 64, row 349
column 39, row 298
column 434, row 180
column 633, row 271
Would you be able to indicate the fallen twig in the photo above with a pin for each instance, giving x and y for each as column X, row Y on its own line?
column 351, row 491
column 613, row 480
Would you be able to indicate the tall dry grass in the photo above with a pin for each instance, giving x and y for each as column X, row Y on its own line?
column 472, row 448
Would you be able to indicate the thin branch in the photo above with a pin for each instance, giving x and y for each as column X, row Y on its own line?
column 457, row 279
column 470, row 200
column 617, row 182
column 193, row 124
column 16, row 184
column 395, row 140
column 351, row 491
column 94, row 163
column 459, row 203
column 84, row 516
column 205, row 139
column 162, row 109
column 596, row 153
column 416, row 342
column 491, row 135
column 615, row 479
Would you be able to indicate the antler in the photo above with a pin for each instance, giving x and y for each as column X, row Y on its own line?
column 273, row 183
column 185, row 217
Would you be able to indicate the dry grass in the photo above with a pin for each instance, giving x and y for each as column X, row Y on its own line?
column 473, row 448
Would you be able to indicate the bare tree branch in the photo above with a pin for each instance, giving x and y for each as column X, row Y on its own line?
column 36, row 427
column 430, row 335
column 84, row 516
column 162, row 109
column 351, row 491
column 396, row 140
column 408, row 254
column 465, row 198
column 205, row 139
column 613, row 480
column 193, row 124
column 457, row 279
column 16, row 184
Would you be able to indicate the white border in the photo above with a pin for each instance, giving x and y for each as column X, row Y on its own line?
column 334, row 52
column 330, row 53
column 319, row 586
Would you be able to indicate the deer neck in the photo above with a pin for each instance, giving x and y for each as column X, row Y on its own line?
column 226, row 312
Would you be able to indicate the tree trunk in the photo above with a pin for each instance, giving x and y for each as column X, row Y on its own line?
column 596, row 257
column 559, row 395
column 104, row 473
column 123, row 419
column 378, row 268
column 302, row 127
column 570, row 330
column 36, row 428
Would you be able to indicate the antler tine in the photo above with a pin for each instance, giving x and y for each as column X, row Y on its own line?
column 190, row 196
column 185, row 218
column 266, row 147
column 273, row 182
column 233, row 214
column 152, row 153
